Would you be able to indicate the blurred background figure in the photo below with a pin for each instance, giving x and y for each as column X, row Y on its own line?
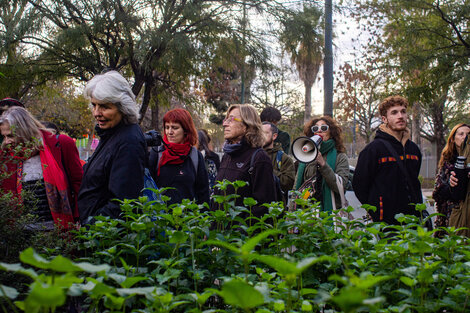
column 442, row 190
column 7, row 103
column 116, row 168
column 331, row 161
column 273, row 115
column 46, row 165
column 178, row 163
column 283, row 165
column 211, row 159
column 244, row 159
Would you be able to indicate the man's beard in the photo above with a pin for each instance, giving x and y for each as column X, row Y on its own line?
column 268, row 144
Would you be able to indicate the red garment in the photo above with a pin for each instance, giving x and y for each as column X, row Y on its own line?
column 175, row 153
column 65, row 154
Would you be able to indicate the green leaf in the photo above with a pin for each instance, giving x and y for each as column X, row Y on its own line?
column 29, row 256
column 249, row 202
column 279, row 305
column 45, row 296
column 91, row 268
column 408, row 281
column 221, row 244
column 178, row 237
column 8, row 292
column 307, row 306
column 61, row 264
column 125, row 292
column 252, row 242
column 241, row 294
column 130, row 281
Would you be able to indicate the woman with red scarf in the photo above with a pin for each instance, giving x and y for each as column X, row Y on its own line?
column 42, row 163
column 177, row 163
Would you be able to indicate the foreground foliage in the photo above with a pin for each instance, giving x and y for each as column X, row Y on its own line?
column 189, row 259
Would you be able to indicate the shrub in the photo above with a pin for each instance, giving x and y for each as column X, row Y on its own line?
column 186, row 258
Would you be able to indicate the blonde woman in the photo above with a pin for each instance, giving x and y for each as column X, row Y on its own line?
column 43, row 163
column 244, row 139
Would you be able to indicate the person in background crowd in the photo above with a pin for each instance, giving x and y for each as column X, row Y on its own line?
column 442, row 193
column 177, row 163
column 46, row 165
column 243, row 138
column 273, row 115
column 211, row 159
column 209, row 140
column 330, row 162
column 283, row 165
column 379, row 179
column 460, row 215
column 116, row 168
column 7, row 103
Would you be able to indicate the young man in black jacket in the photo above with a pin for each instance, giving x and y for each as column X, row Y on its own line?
column 387, row 170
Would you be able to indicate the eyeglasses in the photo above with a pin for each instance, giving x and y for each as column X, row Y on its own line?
column 323, row 128
column 230, row 119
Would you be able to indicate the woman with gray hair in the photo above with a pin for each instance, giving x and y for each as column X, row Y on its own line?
column 244, row 158
column 116, row 168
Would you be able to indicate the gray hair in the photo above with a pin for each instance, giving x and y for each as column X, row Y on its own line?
column 23, row 126
column 112, row 87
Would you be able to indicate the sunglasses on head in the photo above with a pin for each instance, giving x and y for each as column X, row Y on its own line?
column 323, row 128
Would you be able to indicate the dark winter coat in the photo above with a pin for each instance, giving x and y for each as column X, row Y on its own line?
column 378, row 180
column 261, row 186
column 189, row 182
column 114, row 171
column 443, row 197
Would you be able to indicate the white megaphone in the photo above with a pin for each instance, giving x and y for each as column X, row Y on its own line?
column 305, row 149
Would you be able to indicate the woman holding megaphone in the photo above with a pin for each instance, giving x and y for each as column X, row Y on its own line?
column 323, row 162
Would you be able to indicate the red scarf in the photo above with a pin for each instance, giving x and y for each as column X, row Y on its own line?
column 175, row 153
column 56, row 187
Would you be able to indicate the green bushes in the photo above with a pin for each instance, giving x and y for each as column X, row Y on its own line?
column 185, row 258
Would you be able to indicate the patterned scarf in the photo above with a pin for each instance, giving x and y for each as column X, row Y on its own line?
column 56, row 188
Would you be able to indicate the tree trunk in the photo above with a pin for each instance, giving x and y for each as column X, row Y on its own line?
column 146, row 100
column 416, row 124
column 155, row 111
column 308, row 102
column 439, row 128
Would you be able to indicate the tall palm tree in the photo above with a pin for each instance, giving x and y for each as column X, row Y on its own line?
column 302, row 37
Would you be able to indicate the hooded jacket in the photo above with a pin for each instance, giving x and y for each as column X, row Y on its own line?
column 114, row 171
column 378, row 180
column 285, row 170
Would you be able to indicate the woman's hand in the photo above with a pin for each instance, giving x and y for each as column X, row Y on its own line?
column 453, row 180
column 320, row 159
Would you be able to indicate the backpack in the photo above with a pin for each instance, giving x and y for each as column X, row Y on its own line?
column 277, row 181
column 211, row 169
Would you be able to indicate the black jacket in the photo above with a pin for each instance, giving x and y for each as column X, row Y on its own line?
column 115, row 170
column 189, row 183
column 378, row 180
column 261, row 186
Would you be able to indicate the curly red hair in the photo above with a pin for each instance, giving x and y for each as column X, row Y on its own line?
column 182, row 117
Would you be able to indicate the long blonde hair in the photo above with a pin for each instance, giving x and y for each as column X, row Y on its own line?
column 254, row 131
column 23, row 126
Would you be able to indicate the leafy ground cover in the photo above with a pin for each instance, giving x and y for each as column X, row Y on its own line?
column 186, row 258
